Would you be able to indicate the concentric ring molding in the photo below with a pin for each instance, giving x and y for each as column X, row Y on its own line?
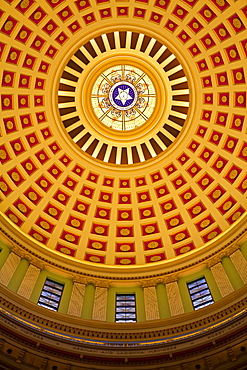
column 109, row 133
column 170, row 77
column 207, row 160
column 140, row 59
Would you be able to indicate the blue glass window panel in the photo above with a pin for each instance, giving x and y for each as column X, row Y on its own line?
column 48, row 302
column 196, row 282
column 200, row 293
column 202, row 300
column 54, row 284
column 203, row 305
column 50, row 308
column 122, row 297
column 125, row 308
column 51, row 295
column 126, row 303
column 198, row 288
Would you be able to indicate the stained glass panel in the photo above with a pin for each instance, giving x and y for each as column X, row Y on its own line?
column 200, row 293
column 51, row 295
column 123, row 97
column 125, row 308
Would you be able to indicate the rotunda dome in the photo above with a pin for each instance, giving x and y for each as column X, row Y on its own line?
column 123, row 152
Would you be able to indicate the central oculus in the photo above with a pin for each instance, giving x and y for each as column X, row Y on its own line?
column 123, row 95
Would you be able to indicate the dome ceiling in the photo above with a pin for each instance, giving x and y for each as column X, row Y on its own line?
column 159, row 108
column 106, row 196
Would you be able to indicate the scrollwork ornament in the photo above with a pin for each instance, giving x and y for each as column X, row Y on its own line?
column 39, row 264
column 80, row 279
column 170, row 278
column 14, row 248
column 83, row 280
column 18, row 251
column 92, row 281
column 28, row 257
column 148, row 283
column 102, row 284
column 25, row 254
column 232, row 248
column 213, row 261
column 75, row 278
column 222, row 255
column 158, row 281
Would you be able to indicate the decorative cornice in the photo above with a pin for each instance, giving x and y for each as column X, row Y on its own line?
column 171, row 278
column 225, row 253
column 87, row 280
column 164, row 280
column 148, row 283
column 232, row 248
column 206, row 325
column 166, row 277
column 213, row 261
column 102, row 284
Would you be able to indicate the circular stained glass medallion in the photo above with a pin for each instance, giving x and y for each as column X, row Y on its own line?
column 123, row 97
